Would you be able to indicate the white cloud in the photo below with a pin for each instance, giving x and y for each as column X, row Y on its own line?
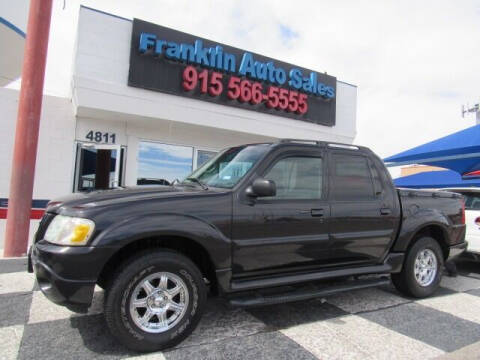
column 174, row 151
column 415, row 62
column 162, row 171
column 163, row 162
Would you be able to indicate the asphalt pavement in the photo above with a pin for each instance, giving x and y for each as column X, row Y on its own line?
column 376, row 323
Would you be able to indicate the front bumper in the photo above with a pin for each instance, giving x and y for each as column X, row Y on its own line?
column 67, row 275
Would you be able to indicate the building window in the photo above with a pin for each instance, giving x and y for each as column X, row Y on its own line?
column 203, row 156
column 160, row 164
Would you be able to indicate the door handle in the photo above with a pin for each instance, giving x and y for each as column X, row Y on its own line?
column 385, row 211
column 316, row 212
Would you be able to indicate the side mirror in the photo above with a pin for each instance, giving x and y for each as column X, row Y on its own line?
column 262, row 187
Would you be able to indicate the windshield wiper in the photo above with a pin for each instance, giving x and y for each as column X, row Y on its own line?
column 195, row 180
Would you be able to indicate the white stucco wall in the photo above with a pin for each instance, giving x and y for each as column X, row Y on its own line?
column 100, row 83
column 54, row 167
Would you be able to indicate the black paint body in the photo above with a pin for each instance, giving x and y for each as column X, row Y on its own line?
column 251, row 242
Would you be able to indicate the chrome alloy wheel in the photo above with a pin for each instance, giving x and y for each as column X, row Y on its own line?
column 159, row 302
column 425, row 267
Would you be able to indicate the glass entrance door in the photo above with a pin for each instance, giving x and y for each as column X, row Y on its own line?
column 98, row 167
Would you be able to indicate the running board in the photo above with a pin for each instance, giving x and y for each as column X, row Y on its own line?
column 305, row 293
column 392, row 264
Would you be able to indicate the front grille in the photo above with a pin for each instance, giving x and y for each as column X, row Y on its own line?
column 42, row 227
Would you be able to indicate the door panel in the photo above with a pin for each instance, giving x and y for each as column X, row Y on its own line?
column 359, row 233
column 272, row 236
column 287, row 232
column 363, row 221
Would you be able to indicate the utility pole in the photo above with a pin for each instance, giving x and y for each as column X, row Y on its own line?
column 474, row 109
column 26, row 134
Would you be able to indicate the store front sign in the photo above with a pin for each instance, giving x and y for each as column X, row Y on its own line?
column 170, row 61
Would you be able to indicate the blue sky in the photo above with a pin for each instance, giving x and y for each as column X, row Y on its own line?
column 287, row 33
column 160, row 161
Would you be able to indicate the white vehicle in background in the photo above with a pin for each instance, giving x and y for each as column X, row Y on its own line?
column 472, row 217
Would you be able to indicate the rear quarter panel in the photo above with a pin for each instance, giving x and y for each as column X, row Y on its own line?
column 427, row 208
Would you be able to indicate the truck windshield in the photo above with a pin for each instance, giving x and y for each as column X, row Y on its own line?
column 227, row 168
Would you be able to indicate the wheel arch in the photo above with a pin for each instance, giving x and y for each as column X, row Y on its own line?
column 184, row 245
column 436, row 231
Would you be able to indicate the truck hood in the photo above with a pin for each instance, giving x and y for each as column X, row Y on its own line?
column 79, row 201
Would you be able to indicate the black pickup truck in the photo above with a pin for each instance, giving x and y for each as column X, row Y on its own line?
column 257, row 224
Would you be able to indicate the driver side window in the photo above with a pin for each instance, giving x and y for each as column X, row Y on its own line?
column 297, row 177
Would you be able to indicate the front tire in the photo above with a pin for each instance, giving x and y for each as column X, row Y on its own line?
column 155, row 300
column 422, row 269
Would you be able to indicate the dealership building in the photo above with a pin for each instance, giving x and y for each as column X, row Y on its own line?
column 150, row 104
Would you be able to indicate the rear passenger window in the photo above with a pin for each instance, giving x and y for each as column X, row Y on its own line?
column 351, row 178
column 297, row 178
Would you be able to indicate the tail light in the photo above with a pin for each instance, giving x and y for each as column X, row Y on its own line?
column 477, row 221
column 463, row 213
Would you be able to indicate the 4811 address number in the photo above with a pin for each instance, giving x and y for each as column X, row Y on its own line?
column 101, row 137
column 245, row 91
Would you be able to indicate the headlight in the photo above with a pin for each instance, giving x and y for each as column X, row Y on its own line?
column 66, row 230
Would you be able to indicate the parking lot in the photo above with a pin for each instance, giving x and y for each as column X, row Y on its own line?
column 374, row 323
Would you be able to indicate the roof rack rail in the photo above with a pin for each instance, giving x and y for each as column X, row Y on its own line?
column 343, row 146
column 318, row 142
column 301, row 141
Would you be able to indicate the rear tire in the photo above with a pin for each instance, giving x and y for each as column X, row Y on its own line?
column 155, row 300
column 422, row 269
